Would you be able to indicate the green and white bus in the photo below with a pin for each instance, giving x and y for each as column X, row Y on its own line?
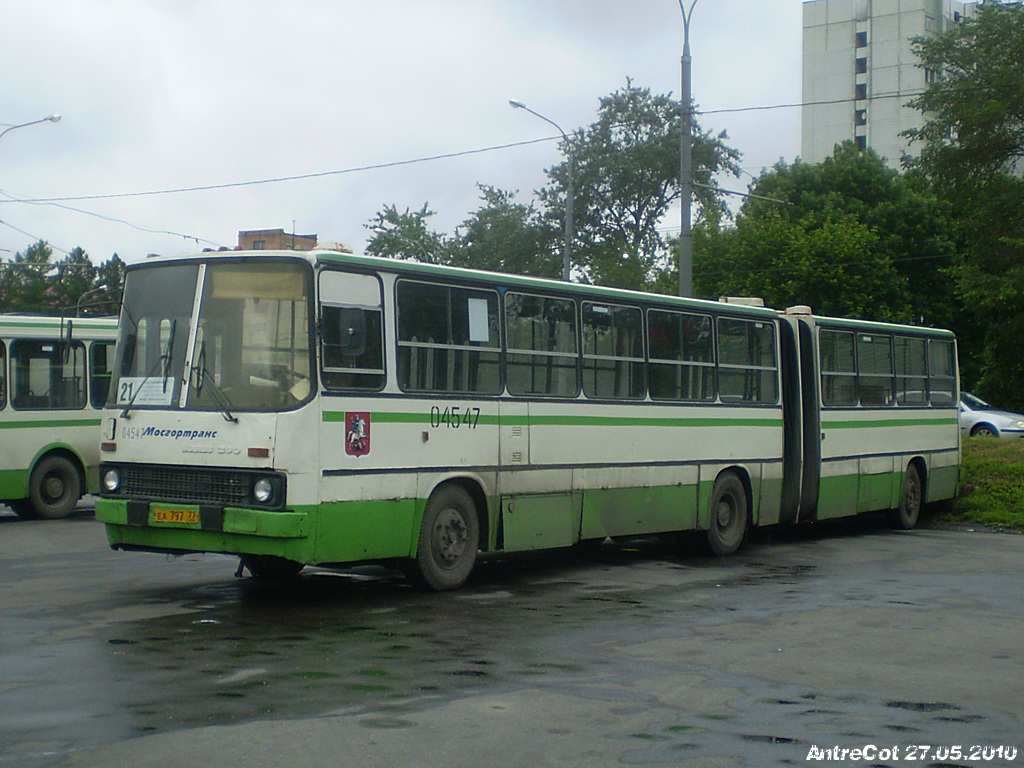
column 331, row 409
column 54, row 374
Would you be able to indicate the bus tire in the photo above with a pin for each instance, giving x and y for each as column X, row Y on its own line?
column 906, row 514
column 727, row 515
column 271, row 568
column 22, row 508
column 54, row 487
column 448, row 541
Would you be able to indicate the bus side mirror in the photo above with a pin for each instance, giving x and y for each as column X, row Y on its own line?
column 66, row 337
column 348, row 329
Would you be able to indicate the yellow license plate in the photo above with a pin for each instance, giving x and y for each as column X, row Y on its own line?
column 172, row 515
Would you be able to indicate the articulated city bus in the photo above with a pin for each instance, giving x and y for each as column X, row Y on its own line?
column 329, row 409
column 54, row 375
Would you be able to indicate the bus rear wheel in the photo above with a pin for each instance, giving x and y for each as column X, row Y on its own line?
column 727, row 512
column 905, row 516
column 448, row 541
column 54, row 488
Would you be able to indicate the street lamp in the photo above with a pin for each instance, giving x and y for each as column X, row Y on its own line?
column 92, row 293
column 50, row 119
column 567, row 251
column 685, row 161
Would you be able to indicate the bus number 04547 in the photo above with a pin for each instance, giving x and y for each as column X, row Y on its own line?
column 454, row 416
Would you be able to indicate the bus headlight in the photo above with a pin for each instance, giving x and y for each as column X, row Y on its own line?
column 263, row 490
column 111, row 481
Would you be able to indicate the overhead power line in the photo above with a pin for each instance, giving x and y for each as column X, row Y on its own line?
column 828, row 102
column 297, row 177
column 31, row 236
column 14, row 198
column 417, row 160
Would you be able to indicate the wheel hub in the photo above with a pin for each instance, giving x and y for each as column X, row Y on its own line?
column 53, row 487
column 450, row 537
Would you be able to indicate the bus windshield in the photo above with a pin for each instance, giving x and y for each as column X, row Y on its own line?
column 243, row 346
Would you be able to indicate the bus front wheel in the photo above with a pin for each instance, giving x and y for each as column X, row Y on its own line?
column 54, row 487
column 448, row 541
column 727, row 512
column 270, row 567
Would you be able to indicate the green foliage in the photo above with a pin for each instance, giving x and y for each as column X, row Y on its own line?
column 972, row 146
column 848, row 236
column 406, row 236
column 975, row 104
column 626, row 178
column 75, row 275
column 33, row 283
column 992, row 485
column 625, row 174
column 506, row 236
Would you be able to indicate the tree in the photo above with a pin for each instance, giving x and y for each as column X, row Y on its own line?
column 406, row 236
column 75, row 277
column 849, row 236
column 106, row 295
column 626, row 178
column 972, row 145
column 974, row 106
column 31, row 283
column 24, row 286
column 625, row 174
column 506, row 236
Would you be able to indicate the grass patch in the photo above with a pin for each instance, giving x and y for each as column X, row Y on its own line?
column 991, row 486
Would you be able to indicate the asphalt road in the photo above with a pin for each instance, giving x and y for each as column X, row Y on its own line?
column 906, row 646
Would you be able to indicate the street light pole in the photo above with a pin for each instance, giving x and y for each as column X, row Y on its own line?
column 686, row 161
column 569, row 192
column 50, row 119
column 99, row 290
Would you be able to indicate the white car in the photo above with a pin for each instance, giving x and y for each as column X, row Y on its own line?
column 979, row 419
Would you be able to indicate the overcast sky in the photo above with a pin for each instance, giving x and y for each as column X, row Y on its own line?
column 162, row 95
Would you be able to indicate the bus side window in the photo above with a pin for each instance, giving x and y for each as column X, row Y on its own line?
column 541, row 345
column 838, row 368
column 911, row 371
column 682, row 362
column 352, row 352
column 100, row 369
column 941, row 372
column 351, row 331
column 448, row 338
column 874, row 369
column 48, row 375
column 613, row 351
column 747, row 370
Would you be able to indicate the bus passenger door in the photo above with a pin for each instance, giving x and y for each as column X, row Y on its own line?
column 535, row 512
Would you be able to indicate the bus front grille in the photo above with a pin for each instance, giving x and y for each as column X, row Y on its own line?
column 186, row 485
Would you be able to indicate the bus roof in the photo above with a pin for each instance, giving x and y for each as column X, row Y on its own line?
column 501, row 279
column 438, row 271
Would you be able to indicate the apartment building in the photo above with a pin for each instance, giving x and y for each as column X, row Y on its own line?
column 859, row 72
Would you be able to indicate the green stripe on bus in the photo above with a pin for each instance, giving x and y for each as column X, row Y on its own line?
column 387, row 417
column 908, row 422
column 632, row 421
column 49, row 423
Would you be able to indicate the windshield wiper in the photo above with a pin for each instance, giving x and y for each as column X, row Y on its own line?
column 216, row 393
column 165, row 361
column 169, row 352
